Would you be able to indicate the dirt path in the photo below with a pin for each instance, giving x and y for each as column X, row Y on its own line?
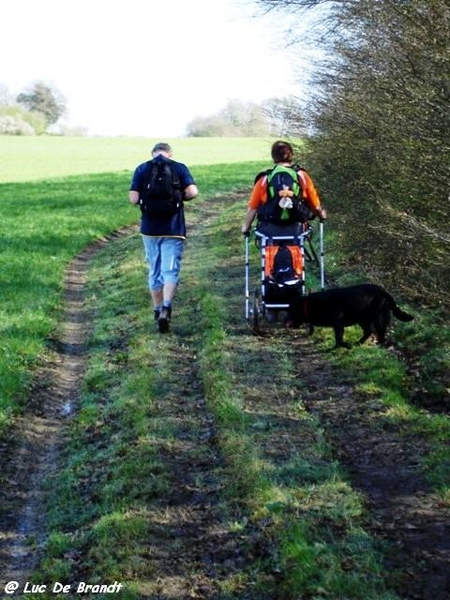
column 404, row 515
column 31, row 452
column 382, row 464
column 192, row 549
column 382, row 460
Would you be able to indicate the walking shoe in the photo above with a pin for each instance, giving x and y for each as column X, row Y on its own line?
column 164, row 319
column 156, row 313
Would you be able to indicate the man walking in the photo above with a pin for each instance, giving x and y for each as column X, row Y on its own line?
column 159, row 187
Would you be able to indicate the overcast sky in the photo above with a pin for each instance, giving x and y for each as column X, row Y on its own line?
column 145, row 67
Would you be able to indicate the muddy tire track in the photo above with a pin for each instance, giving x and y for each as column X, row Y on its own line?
column 383, row 462
column 192, row 550
column 30, row 453
column 406, row 518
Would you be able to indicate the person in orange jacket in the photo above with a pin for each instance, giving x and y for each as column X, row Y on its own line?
column 283, row 155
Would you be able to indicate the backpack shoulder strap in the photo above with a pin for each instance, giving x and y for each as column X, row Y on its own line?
column 148, row 166
column 261, row 174
column 147, row 171
column 175, row 174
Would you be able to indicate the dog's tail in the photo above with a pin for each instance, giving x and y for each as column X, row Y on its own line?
column 397, row 311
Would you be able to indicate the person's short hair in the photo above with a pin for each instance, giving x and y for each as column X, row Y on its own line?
column 282, row 152
column 161, row 147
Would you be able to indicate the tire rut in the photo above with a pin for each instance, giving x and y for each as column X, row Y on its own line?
column 192, row 550
column 30, row 453
column 383, row 462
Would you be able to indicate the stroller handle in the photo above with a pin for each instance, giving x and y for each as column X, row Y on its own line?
column 301, row 236
column 247, row 277
column 322, row 256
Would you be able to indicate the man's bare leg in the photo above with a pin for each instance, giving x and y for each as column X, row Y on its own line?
column 169, row 293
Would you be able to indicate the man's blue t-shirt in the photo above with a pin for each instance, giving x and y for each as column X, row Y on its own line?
column 172, row 226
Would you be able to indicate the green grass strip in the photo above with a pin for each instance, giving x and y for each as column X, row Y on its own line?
column 307, row 509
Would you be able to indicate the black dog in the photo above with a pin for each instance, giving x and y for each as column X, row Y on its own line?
column 366, row 305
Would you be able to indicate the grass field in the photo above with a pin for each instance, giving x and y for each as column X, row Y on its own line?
column 32, row 158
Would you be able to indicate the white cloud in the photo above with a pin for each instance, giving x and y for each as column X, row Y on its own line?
column 144, row 67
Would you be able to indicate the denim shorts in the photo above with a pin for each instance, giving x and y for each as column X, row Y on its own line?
column 163, row 255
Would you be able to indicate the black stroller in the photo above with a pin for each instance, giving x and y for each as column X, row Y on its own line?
column 283, row 258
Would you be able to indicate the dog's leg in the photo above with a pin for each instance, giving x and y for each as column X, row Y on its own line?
column 339, row 335
column 380, row 329
column 381, row 336
column 382, row 323
column 367, row 332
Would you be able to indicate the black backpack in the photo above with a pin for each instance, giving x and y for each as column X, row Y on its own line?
column 283, row 184
column 283, row 266
column 161, row 194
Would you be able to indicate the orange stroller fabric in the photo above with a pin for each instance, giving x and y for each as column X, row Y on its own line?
column 297, row 259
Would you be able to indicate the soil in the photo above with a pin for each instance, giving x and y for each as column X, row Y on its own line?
column 30, row 451
column 383, row 465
